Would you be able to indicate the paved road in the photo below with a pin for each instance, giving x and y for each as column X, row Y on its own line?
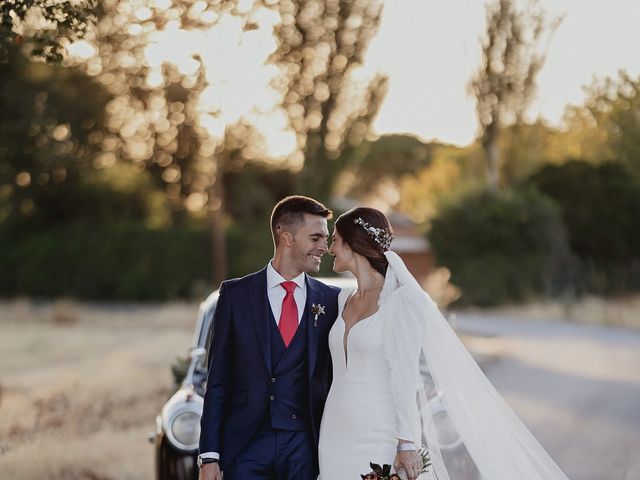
column 577, row 387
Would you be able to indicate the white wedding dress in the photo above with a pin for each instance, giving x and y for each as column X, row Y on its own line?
column 363, row 419
column 405, row 374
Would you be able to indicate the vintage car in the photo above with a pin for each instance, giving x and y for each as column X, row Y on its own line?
column 178, row 425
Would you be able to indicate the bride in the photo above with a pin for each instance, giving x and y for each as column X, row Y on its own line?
column 402, row 379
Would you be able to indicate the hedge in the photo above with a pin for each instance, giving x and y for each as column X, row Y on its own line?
column 105, row 262
column 600, row 206
column 502, row 247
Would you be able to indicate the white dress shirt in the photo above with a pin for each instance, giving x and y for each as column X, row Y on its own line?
column 276, row 293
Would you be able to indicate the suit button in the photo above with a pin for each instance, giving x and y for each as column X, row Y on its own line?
column 272, row 397
column 273, row 380
column 293, row 416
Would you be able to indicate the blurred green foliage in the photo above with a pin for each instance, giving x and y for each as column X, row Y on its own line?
column 377, row 163
column 49, row 124
column 501, row 247
column 600, row 207
column 610, row 115
column 106, row 244
column 44, row 25
column 105, row 261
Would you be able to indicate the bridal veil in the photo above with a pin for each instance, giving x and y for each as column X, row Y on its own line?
column 469, row 430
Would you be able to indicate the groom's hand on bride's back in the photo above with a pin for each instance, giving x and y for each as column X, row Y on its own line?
column 210, row 471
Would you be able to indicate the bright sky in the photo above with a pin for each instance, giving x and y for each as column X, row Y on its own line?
column 430, row 48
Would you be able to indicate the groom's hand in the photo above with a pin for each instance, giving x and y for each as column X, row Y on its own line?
column 210, row 471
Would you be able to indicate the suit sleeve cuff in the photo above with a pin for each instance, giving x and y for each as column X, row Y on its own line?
column 215, row 455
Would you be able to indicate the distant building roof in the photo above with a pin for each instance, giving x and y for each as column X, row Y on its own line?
column 408, row 237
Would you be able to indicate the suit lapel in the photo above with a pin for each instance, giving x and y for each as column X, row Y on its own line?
column 314, row 296
column 259, row 302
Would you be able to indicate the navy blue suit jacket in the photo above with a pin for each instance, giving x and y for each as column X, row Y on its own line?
column 236, row 398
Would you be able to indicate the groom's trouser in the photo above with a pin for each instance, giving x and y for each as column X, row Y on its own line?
column 275, row 454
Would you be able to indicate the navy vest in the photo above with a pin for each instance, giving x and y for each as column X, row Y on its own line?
column 287, row 388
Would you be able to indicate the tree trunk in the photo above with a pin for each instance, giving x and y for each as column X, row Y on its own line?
column 493, row 165
column 218, row 233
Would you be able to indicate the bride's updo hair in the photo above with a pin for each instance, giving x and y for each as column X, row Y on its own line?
column 368, row 232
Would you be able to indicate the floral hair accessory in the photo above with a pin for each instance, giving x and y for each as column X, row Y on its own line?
column 381, row 236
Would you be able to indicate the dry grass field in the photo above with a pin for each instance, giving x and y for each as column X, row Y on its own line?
column 80, row 386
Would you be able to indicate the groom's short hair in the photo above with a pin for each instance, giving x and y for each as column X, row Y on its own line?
column 289, row 213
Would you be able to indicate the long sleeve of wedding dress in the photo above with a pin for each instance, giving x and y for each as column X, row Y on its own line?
column 402, row 335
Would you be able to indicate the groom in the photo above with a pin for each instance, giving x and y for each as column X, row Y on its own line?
column 269, row 362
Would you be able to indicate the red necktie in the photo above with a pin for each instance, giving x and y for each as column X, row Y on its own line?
column 289, row 315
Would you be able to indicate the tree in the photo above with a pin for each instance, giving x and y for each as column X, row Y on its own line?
column 46, row 125
column 159, row 118
column 52, row 121
column 321, row 46
column 452, row 173
column 607, row 126
column 386, row 159
column 513, row 52
column 46, row 25
column 389, row 156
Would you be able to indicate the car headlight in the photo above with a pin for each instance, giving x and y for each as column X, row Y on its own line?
column 185, row 429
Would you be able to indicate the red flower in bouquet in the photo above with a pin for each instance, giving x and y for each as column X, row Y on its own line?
column 380, row 473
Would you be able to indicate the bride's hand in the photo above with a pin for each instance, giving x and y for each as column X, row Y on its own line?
column 409, row 461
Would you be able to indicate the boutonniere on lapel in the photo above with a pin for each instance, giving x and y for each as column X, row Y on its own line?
column 316, row 310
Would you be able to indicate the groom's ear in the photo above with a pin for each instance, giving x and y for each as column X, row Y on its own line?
column 285, row 238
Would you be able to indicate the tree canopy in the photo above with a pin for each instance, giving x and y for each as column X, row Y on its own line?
column 45, row 26
column 513, row 52
column 322, row 44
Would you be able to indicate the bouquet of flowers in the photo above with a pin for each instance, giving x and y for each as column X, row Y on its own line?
column 384, row 472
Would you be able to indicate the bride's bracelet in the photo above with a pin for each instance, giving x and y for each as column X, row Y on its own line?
column 405, row 447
